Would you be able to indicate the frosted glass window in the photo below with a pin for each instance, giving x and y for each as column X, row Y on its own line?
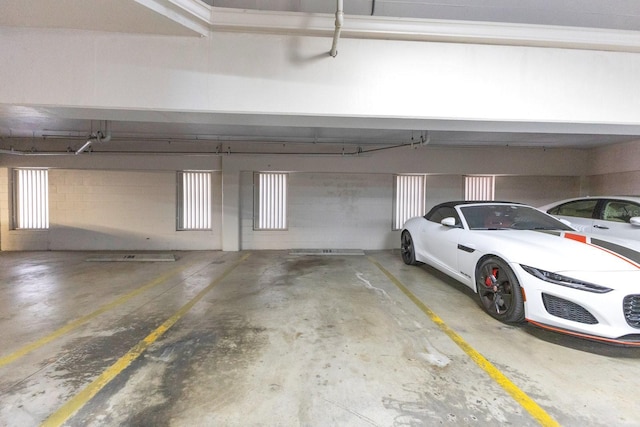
column 270, row 201
column 194, row 200
column 409, row 198
column 31, row 198
column 479, row 187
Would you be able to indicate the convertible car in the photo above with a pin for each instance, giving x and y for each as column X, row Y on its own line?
column 527, row 266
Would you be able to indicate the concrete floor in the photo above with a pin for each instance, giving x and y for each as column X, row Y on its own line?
column 276, row 339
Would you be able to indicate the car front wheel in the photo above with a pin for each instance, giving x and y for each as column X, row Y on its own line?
column 407, row 249
column 499, row 291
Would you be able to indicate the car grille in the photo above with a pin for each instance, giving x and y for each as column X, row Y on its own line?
column 631, row 307
column 568, row 310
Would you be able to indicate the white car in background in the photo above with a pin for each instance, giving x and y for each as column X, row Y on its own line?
column 615, row 217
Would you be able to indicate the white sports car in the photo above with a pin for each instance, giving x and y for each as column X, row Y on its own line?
column 525, row 265
column 605, row 216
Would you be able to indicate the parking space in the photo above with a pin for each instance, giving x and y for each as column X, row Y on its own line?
column 272, row 338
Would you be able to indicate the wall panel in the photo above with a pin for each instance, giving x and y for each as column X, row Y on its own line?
column 622, row 183
column 537, row 190
column 113, row 210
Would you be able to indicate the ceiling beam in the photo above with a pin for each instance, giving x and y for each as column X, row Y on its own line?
column 191, row 14
column 372, row 27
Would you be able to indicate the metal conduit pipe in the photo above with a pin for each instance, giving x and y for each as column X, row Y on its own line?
column 338, row 29
column 107, row 129
column 85, row 146
column 35, row 153
column 97, row 137
column 12, row 152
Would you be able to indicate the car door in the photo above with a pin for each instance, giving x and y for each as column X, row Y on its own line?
column 580, row 213
column 442, row 241
column 613, row 219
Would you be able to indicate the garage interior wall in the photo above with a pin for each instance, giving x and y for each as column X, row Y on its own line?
column 341, row 202
column 327, row 210
column 614, row 170
column 278, row 77
column 112, row 210
column 536, row 190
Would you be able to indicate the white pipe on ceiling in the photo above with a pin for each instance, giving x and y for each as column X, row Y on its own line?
column 338, row 28
column 97, row 137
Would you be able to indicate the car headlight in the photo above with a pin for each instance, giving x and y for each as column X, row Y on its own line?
column 561, row 280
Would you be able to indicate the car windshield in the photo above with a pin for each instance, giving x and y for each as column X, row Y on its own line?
column 517, row 217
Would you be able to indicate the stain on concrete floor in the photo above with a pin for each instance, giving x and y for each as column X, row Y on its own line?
column 203, row 362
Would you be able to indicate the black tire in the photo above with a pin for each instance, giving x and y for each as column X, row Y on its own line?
column 500, row 295
column 407, row 249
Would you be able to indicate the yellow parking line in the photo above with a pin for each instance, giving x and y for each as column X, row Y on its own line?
column 80, row 399
column 5, row 360
column 520, row 396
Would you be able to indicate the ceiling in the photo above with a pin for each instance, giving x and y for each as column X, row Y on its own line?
column 609, row 14
column 26, row 122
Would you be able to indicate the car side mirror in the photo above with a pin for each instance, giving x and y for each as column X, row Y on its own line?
column 635, row 221
column 451, row 221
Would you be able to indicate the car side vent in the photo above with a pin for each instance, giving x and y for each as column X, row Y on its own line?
column 567, row 310
column 631, row 308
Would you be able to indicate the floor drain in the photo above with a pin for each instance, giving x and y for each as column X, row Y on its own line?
column 131, row 257
column 326, row 252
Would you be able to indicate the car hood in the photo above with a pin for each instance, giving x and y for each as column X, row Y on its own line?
column 562, row 252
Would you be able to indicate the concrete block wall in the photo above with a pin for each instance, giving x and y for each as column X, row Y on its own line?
column 128, row 203
column 621, row 183
column 614, row 170
column 326, row 211
column 354, row 211
column 113, row 210
column 443, row 188
column 536, row 190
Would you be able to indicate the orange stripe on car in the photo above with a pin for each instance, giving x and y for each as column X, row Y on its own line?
column 585, row 336
column 576, row 237
column 584, row 239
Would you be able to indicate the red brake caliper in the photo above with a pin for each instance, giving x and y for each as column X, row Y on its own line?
column 490, row 281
